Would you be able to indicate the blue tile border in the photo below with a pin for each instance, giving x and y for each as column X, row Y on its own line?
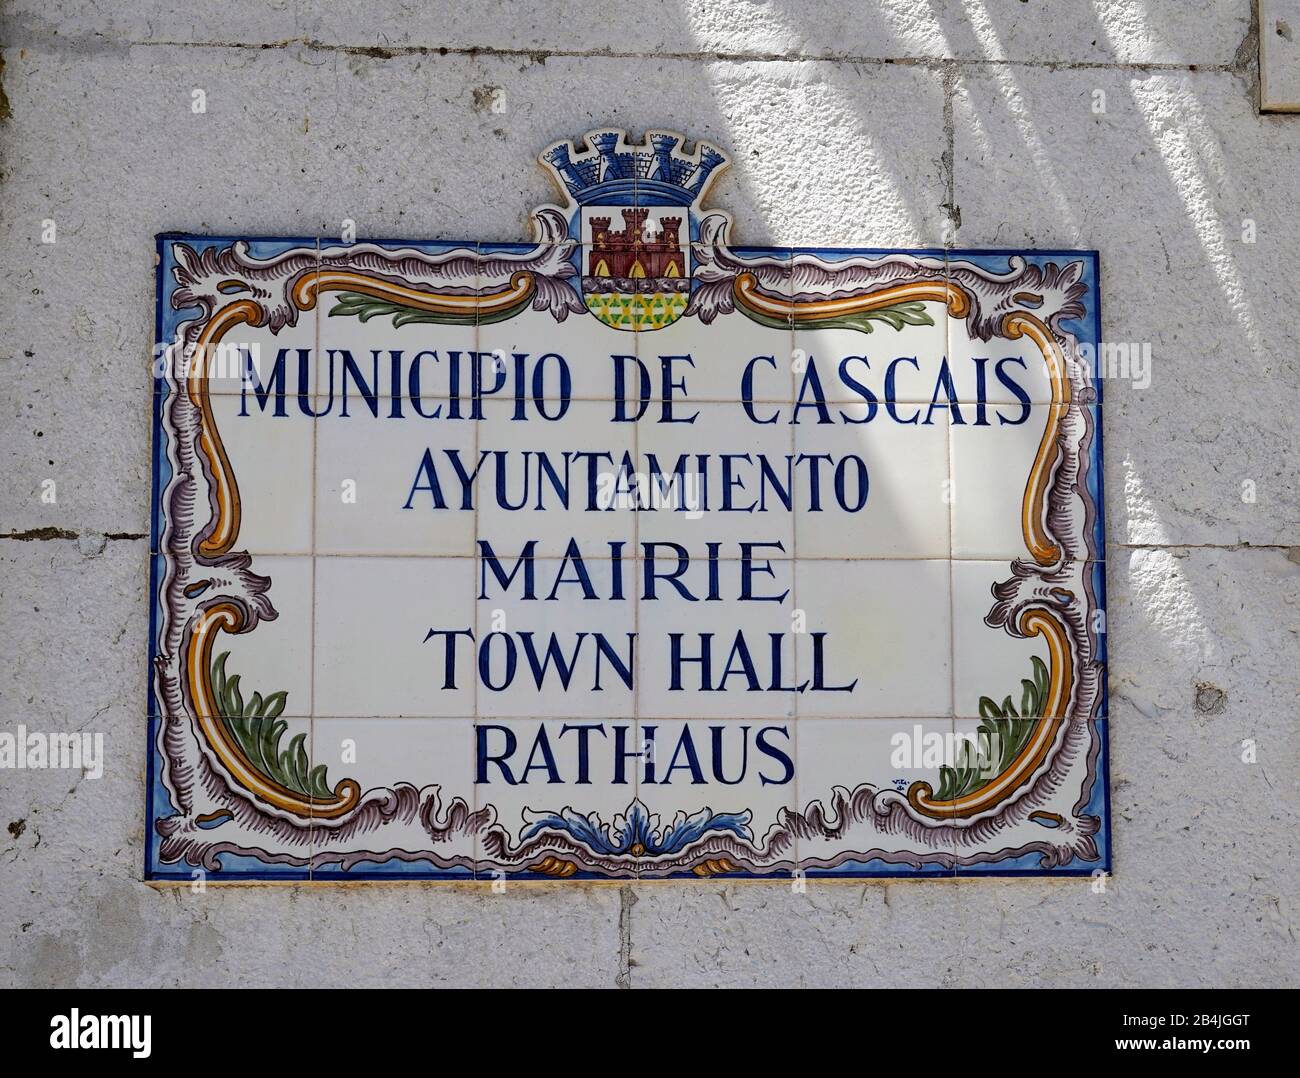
column 1087, row 329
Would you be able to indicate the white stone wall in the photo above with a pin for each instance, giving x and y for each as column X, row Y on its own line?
column 894, row 123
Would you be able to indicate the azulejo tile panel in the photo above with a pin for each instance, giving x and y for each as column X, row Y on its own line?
column 625, row 553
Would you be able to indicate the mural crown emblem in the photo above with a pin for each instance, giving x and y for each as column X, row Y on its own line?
column 612, row 171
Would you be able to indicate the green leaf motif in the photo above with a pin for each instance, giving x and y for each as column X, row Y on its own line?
column 355, row 305
column 912, row 313
column 1001, row 735
column 257, row 729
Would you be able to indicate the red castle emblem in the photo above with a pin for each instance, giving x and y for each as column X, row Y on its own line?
column 636, row 251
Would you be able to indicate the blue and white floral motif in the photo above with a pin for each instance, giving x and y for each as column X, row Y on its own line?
column 638, row 832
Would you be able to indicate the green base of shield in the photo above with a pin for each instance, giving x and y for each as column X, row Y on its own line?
column 639, row 312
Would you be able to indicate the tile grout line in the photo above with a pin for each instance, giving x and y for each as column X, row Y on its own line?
column 390, row 52
column 476, row 563
column 794, row 558
column 578, row 398
column 952, row 508
column 725, row 559
column 315, row 496
column 625, row 907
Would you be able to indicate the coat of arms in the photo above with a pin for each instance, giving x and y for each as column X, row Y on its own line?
column 633, row 211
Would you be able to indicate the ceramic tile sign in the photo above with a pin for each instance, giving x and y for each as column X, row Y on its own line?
column 627, row 552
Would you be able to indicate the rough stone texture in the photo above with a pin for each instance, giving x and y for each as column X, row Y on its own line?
column 1279, row 55
column 1162, row 183
column 73, row 620
column 985, row 135
column 1103, row 31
